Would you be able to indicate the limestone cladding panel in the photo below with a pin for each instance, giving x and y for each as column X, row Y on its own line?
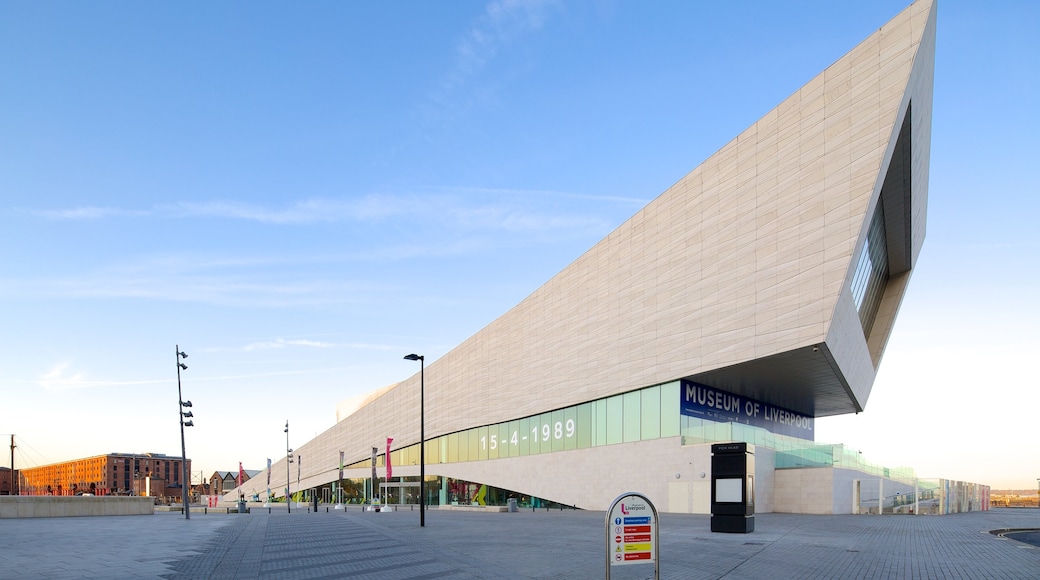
column 804, row 491
column 592, row 478
column 744, row 257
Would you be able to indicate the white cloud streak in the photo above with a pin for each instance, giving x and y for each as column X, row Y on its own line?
column 61, row 379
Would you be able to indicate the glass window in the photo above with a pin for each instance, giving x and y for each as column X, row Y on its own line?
column 583, row 426
column 432, row 456
column 559, row 441
column 570, row 428
column 650, row 415
column 631, row 429
column 545, row 432
column 482, row 441
column 871, row 277
column 453, row 448
column 474, row 445
column 463, row 445
column 615, row 420
column 503, row 439
column 514, row 438
column 599, row 422
column 524, row 436
column 493, row 443
column 670, row 414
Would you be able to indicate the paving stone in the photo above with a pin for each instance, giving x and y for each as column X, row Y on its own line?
column 547, row 545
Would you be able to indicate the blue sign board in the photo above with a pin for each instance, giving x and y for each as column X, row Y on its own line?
column 712, row 404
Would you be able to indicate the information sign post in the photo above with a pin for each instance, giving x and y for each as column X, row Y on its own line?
column 631, row 532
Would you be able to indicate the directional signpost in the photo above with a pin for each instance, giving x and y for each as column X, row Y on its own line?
column 631, row 532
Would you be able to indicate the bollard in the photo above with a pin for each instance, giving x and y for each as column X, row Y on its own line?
column 268, row 510
column 205, row 510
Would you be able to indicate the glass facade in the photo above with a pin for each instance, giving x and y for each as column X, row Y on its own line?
column 649, row 413
column 645, row 414
column 868, row 283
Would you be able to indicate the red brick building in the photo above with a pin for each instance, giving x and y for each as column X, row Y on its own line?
column 8, row 481
column 153, row 474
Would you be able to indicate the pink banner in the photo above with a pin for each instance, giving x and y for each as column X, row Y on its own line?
column 389, row 468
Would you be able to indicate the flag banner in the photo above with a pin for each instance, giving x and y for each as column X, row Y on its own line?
column 341, row 465
column 268, row 472
column 240, row 474
column 389, row 468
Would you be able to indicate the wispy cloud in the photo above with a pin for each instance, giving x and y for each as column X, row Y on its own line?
column 453, row 207
column 501, row 23
column 283, row 343
column 367, row 208
column 60, row 378
column 88, row 213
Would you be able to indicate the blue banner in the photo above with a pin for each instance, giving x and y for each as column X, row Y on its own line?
column 712, row 404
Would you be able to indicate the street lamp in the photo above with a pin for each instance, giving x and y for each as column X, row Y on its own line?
column 181, row 416
column 288, row 460
column 422, row 436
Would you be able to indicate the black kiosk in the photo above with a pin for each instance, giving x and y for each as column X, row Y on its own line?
column 732, row 488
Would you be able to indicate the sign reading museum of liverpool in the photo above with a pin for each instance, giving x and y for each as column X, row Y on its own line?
column 631, row 525
column 714, row 405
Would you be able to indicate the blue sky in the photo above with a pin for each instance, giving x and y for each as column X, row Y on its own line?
column 299, row 196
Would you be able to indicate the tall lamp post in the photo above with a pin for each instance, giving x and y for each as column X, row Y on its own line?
column 422, row 436
column 181, row 416
column 288, row 460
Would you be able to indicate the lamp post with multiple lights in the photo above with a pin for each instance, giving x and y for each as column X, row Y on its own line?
column 181, row 416
column 422, row 436
column 288, row 460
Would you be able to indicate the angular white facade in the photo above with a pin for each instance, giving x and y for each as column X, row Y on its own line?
column 751, row 275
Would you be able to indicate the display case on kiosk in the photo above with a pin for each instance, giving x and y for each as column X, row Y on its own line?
column 733, row 488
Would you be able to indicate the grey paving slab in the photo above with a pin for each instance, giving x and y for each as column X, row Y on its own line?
column 550, row 545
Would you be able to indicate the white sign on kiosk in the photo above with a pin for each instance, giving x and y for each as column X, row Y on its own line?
column 631, row 537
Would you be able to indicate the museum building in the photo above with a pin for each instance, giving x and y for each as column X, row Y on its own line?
column 754, row 295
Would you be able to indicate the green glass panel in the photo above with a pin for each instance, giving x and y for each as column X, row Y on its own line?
column 503, row 439
column 453, row 448
column 436, row 450
column 464, row 446
column 474, row 445
column 670, row 405
column 650, row 413
column 482, row 443
column 524, row 436
column 615, row 420
column 559, row 440
column 514, row 438
column 583, row 426
column 570, row 428
column 599, row 418
column 545, row 432
column 493, row 443
column 631, row 429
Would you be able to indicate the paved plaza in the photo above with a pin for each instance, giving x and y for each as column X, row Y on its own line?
column 496, row 545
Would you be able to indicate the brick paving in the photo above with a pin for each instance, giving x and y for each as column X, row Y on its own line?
column 549, row 545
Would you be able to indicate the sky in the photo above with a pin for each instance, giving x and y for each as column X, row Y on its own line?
column 298, row 196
